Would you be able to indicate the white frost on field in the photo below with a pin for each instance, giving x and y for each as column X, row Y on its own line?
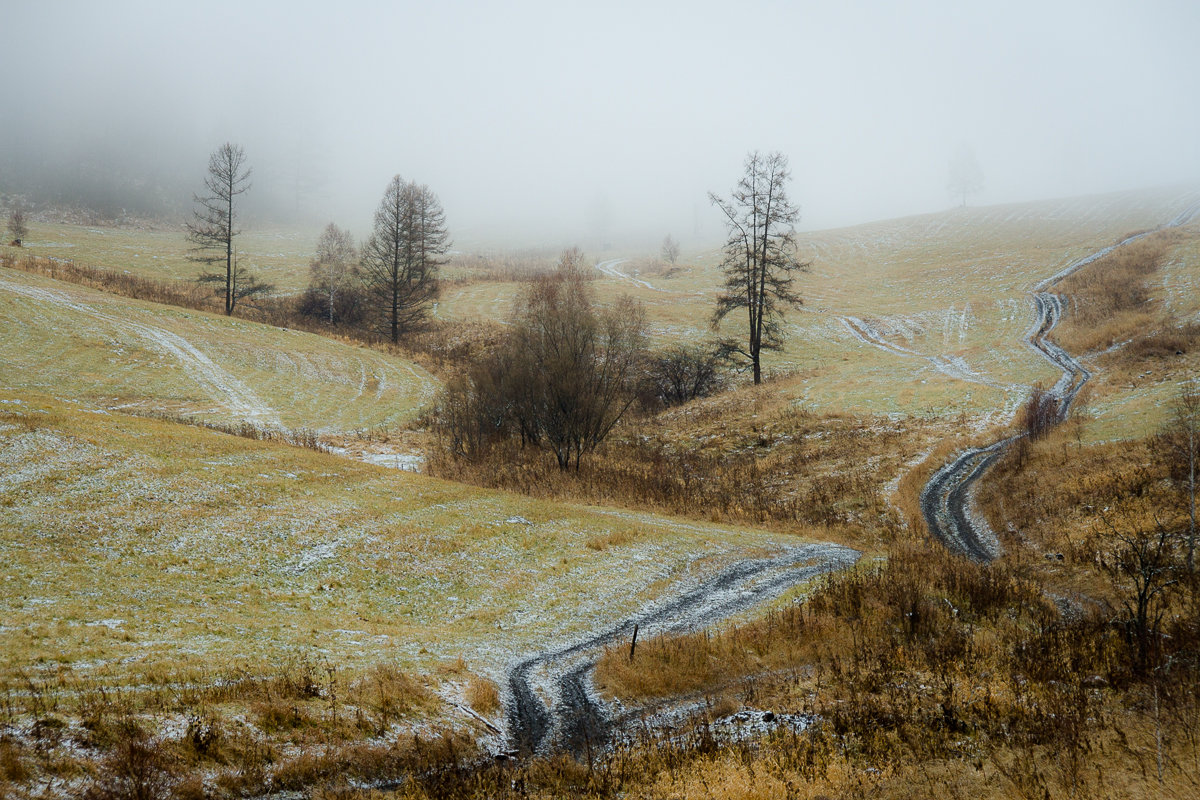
column 406, row 462
column 312, row 556
column 951, row 366
column 37, row 455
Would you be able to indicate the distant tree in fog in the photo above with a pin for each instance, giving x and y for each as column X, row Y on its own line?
column 965, row 178
column 214, row 225
column 16, row 224
column 670, row 249
column 760, row 254
column 400, row 259
column 333, row 270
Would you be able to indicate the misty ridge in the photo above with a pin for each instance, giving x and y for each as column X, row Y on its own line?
column 547, row 126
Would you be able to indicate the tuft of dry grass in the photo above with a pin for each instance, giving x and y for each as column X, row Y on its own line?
column 482, row 694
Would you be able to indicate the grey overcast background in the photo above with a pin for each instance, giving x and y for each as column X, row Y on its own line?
column 543, row 122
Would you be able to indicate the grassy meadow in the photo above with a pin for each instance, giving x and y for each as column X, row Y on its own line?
column 216, row 616
column 115, row 353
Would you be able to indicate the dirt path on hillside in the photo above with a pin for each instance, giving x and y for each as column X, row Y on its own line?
column 231, row 393
column 552, row 705
column 947, row 499
column 609, row 268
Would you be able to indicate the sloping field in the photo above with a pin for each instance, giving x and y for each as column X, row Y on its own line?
column 1136, row 381
column 138, row 550
column 113, row 353
column 277, row 256
column 902, row 316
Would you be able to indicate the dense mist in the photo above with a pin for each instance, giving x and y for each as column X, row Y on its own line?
column 604, row 122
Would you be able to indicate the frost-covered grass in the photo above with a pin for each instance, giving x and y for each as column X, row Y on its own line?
column 115, row 353
column 138, row 550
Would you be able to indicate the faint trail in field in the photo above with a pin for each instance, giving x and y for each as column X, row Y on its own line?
column 952, row 367
column 609, row 268
column 946, row 500
column 575, row 720
column 238, row 399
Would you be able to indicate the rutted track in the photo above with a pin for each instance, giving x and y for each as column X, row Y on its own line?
column 576, row 720
column 946, row 498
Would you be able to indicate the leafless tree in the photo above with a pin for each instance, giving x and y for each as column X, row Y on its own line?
column 237, row 283
column 965, row 176
column 214, row 224
column 400, row 260
column 670, row 249
column 561, row 379
column 334, row 266
column 1142, row 563
column 1040, row 413
column 17, row 227
column 582, row 364
column 1180, row 443
column 760, row 254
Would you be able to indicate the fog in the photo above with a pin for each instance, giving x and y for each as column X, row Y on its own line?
column 543, row 123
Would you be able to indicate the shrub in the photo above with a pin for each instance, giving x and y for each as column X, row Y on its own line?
column 1041, row 412
column 680, row 373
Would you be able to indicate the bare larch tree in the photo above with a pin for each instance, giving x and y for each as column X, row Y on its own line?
column 760, row 254
column 214, row 225
column 400, row 259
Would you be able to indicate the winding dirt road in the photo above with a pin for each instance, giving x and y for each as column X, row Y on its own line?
column 574, row 719
column 946, row 498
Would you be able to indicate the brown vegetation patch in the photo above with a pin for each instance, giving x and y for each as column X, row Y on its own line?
column 748, row 456
column 1110, row 299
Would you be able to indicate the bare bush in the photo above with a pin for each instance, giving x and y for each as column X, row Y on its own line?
column 682, row 372
column 560, row 380
column 17, row 226
column 1040, row 413
column 670, row 249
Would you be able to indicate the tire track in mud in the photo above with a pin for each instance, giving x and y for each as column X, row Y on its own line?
column 576, row 720
column 946, row 499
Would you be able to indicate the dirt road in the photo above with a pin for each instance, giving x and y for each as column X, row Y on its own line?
column 574, row 719
column 946, row 498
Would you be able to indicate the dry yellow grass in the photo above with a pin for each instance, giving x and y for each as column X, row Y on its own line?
column 482, row 694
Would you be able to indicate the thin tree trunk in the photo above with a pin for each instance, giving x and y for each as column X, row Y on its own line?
column 1191, row 549
column 229, row 255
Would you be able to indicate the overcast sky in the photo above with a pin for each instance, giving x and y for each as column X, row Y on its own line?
column 554, row 120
